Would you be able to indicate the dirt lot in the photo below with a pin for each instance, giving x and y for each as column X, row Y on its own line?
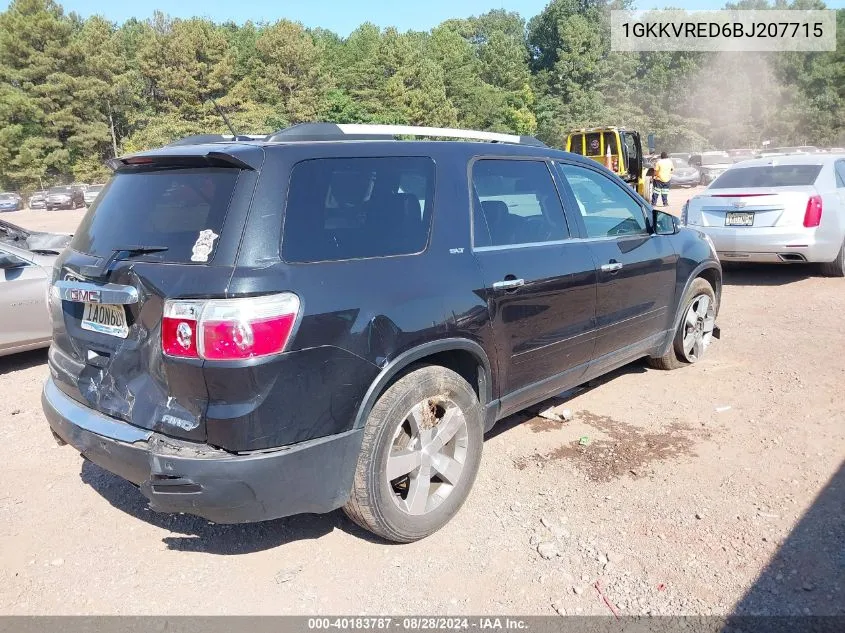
column 713, row 489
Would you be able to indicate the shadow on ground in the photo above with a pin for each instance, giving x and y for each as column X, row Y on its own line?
column 771, row 275
column 194, row 534
column 22, row 361
column 806, row 576
column 512, row 421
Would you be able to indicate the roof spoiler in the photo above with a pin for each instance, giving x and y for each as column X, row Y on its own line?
column 251, row 161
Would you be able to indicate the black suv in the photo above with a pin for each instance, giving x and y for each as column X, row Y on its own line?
column 329, row 317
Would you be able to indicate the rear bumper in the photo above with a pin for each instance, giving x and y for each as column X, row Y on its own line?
column 690, row 181
column 772, row 244
column 177, row 476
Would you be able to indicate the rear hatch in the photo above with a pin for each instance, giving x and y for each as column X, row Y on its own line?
column 162, row 228
column 757, row 197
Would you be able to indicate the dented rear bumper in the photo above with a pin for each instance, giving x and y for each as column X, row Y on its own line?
column 179, row 476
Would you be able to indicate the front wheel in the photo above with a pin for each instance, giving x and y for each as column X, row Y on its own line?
column 695, row 331
column 419, row 456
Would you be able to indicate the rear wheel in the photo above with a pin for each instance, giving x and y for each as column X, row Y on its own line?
column 836, row 268
column 419, row 457
column 695, row 331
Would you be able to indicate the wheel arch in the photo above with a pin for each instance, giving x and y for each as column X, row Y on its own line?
column 463, row 356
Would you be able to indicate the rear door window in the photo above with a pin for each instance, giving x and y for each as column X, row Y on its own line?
column 355, row 208
column 768, row 176
column 180, row 210
column 518, row 202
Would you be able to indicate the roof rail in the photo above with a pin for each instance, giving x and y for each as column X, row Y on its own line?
column 201, row 139
column 372, row 131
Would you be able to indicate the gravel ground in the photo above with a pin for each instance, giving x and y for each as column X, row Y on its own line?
column 714, row 489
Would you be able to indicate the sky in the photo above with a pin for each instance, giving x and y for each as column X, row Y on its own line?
column 340, row 16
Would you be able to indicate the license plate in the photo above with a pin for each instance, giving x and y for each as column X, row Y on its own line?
column 105, row 319
column 742, row 218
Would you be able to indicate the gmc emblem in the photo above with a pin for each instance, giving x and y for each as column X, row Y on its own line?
column 84, row 296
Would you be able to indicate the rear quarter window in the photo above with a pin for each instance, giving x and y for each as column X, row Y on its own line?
column 163, row 208
column 357, row 208
column 768, row 176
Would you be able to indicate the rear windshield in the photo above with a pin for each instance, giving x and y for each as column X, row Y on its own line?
column 768, row 176
column 181, row 210
column 715, row 159
column 352, row 208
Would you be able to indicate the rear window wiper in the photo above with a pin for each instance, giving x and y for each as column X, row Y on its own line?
column 131, row 251
column 122, row 252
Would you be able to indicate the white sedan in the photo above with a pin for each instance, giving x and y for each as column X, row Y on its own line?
column 785, row 209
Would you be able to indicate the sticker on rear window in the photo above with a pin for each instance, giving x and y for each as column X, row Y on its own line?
column 203, row 246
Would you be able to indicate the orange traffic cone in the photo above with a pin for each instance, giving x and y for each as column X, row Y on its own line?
column 608, row 160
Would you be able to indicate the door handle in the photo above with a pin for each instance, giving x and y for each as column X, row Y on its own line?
column 612, row 267
column 508, row 284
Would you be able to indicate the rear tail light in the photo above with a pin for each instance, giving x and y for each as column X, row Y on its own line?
column 228, row 329
column 813, row 214
column 179, row 328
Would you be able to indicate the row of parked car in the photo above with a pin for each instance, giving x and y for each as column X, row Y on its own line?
column 694, row 169
column 73, row 196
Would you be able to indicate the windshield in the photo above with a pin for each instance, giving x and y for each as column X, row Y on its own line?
column 7, row 196
column 59, row 190
column 715, row 159
column 180, row 210
column 768, row 176
column 680, row 163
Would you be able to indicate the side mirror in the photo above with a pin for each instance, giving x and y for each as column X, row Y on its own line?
column 665, row 223
column 10, row 262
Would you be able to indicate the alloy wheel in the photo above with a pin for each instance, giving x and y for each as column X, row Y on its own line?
column 697, row 328
column 427, row 455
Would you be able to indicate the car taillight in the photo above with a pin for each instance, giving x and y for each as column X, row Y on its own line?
column 813, row 214
column 229, row 329
column 179, row 328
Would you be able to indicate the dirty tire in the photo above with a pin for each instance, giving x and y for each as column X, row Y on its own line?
column 836, row 268
column 673, row 359
column 374, row 503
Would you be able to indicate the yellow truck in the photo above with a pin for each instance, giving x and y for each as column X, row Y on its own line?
column 619, row 149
